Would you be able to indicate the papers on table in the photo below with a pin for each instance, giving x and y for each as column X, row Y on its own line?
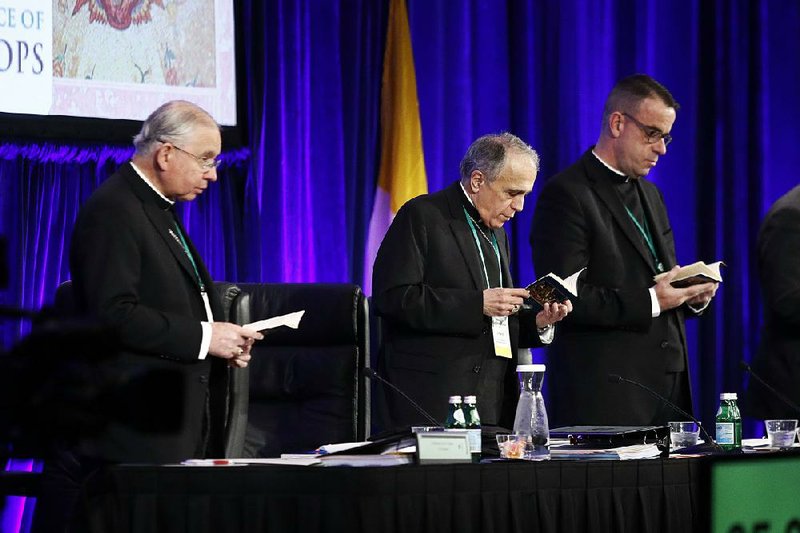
column 289, row 460
column 384, row 459
column 760, row 445
column 340, row 447
column 291, row 320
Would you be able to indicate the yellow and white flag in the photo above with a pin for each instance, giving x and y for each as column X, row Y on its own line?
column 402, row 171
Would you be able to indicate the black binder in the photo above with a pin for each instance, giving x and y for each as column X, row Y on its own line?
column 612, row 436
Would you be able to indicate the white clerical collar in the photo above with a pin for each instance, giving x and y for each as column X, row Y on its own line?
column 150, row 184
column 467, row 195
column 609, row 167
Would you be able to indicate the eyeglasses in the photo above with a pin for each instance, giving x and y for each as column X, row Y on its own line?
column 205, row 163
column 652, row 134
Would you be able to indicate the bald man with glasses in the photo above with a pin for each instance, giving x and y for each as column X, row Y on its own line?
column 613, row 221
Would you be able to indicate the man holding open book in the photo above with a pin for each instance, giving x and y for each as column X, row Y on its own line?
column 442, row 284
column 613, row 221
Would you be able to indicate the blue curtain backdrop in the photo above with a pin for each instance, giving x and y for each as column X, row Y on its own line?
column 294, row 204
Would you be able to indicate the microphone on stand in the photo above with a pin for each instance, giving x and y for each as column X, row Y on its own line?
column 370, row 373
column 614, row 378
column 744, row 366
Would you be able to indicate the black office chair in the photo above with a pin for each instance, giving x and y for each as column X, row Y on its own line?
column 306, row 386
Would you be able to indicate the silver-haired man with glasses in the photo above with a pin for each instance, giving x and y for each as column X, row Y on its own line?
column 135, row 270
column 603, row 214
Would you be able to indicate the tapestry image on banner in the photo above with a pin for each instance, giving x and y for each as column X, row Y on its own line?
column 155, row 42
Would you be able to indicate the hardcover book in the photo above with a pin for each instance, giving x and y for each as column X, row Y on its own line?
column 551, row 288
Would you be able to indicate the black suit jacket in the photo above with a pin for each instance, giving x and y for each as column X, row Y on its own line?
column 131, row 272
column 778, row 358
column 428, row 287
column 580, row 221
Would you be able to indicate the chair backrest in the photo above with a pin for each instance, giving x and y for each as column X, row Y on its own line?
column 64, row 300
column 235, row 405
column 306, row 386
column 235, row 309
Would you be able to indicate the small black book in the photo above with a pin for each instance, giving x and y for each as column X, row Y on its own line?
column 551, row 288
column 695, row 274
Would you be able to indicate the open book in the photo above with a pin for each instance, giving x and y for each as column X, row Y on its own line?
column 551, row 288
column 695, row 274
column 291, row 320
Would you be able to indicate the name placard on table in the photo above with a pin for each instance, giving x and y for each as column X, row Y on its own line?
column 440, row 447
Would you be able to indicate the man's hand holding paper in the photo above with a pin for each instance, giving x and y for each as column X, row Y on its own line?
column 290, row 320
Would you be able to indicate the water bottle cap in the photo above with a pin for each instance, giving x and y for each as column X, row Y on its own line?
column 531, row 368
column 454, row 399
column 470, row 399
column 728, row 396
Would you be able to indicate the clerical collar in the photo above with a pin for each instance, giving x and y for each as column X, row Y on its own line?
column 150, row 184
column 621, row 175
column 469, row 205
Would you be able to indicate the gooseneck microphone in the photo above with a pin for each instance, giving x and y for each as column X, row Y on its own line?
column 614, row 378
column 744, row 366
column 372, row 374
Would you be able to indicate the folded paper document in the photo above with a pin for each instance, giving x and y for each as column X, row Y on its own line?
column 551, row 288
column 695, row 274
column 292, row 320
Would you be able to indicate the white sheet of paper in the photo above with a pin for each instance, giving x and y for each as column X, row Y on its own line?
column 291, row 320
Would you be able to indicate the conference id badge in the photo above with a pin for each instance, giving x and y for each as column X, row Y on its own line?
column 501, row 336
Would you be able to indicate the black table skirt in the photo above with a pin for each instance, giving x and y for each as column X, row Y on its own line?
column 620, row 496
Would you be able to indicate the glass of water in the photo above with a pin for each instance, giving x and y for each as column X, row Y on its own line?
column 781, row 433
column 683, row 434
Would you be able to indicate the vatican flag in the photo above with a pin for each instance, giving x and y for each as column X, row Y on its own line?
column 402, row 170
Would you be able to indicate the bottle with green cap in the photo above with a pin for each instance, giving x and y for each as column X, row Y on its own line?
column 455, row 414
column 729, row 422
column 473, row 424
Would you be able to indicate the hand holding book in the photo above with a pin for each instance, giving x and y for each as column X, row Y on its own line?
column 695, row 285
column 695, row 274
column 552, row 289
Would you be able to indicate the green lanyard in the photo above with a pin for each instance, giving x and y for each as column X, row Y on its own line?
column 191, row 259
column 480, row 249
column 645, row 231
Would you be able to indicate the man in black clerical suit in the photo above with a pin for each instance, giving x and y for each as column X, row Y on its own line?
column 441, row 282
column 135, row 270
column 778, row 358
column 601, row 213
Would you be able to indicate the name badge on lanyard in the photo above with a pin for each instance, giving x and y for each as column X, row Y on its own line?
column 501, row 336
column 500, row 332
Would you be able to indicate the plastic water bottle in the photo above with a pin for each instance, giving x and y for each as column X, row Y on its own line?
column 473, row 425
column 455, row 414
column 531, row 417
column 729, row 422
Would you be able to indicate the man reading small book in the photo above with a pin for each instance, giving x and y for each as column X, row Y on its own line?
column 602, row 213
column 442, row 284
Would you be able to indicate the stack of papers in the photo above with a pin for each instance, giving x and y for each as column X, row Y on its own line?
column 760, row 445
column 287, row 460
column 384, row 459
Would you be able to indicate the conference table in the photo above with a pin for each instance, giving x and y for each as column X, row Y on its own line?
column 663, row 494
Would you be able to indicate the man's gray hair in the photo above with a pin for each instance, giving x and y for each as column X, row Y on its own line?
column 172, row 122
column 488, row 155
